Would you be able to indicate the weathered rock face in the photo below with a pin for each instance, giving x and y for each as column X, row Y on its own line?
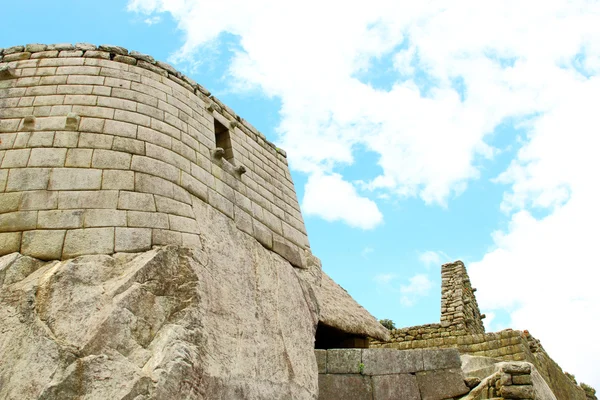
column 227, row 320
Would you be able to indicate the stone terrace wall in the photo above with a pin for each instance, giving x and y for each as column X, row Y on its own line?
column 382, row 374
column 104, row 150
column 507, row 345
column 459, row 306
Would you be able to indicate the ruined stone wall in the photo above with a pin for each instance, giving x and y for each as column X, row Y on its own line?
column 104, row 150
column 381, row 374
column 460, row 311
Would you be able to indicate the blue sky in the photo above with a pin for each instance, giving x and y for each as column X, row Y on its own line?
column 417, row 134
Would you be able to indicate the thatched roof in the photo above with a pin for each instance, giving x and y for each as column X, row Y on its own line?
column 339, row 310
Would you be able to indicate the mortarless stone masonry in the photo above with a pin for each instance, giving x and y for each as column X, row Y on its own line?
column 461, row 327
column 104, row 150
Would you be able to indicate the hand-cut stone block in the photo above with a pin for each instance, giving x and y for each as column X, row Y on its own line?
column 392, row 361
column 395, row 387
column 344, row 361
column 353, row 386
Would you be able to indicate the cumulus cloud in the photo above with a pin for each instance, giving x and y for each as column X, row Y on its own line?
column 418, row 286
column 433, row 258
column 333, row 199
column 384, row 279
column 458, row 72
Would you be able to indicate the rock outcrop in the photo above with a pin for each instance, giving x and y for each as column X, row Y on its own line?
column 228, row 319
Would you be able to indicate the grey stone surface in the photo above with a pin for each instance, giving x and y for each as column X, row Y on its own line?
column 395, row 387
column 441, row 359
column 228, row 320
column 355, row 387
column 441, row 384
column 391, row 361
column 344, row 361
column 321, row 356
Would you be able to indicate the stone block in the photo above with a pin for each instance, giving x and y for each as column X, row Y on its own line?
column 294, row 235
column 27, row 179
column 91, row 124
column 133, row 239
column 127, row 145
column 344, row 361
column 262, row 234
column 16, row 158
column 95, row 141
column 321, row 356
column 110, row 159
column 175, row 207
column 152, row 136
column 47, row 157
column 395, row 387
column 136, row 201
column 18, row 221
column 521, row 380
column 60, row 219
column 102, row 218
column 161, row 237
column 272, row 222
column 182, row 195
column 355, row 387
column 220, row 203
column 3, row 179
column 441, row 384
column 392, row 361
column 81, row 158
column 190, row 240
column 243, row 221
column 441, row 359
column 10, row 242
column 517, row 368
column 290, row 252
column 152, row 184
column 141, row 219
column 9, row 202
column 66, row 139
column 194, row 186
column 517, row 392
column 88, row 199
column 45, row 245
column 75, row 179
column 155, row 167
column 39, row 200
column 119, row 128
column 89, row 241
column 183, row 224
column 117, row 179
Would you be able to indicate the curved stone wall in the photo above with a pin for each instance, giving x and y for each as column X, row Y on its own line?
column 104, row 150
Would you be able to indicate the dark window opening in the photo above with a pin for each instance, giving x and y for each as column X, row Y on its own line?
column 328, row 337
column 223, row 139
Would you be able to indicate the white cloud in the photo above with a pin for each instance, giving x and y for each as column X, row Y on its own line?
column 366, row 251
column 433, row 258
column 535, row 63
column 333, row 199
column 152, row 20
column 384, row 279
column 419, row 286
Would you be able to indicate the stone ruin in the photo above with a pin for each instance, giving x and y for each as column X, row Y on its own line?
column 152, row 247
column 461, row 328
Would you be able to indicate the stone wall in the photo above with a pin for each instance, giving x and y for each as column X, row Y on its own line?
column 103, row 150
column 512, row 381
column 461, row 328
column 508, row 345
column 381, row 374
column 460, row 311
